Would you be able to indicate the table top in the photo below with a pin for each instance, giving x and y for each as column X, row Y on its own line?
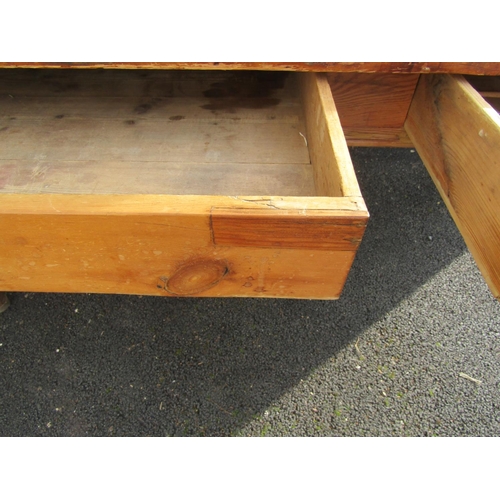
column 468, row 68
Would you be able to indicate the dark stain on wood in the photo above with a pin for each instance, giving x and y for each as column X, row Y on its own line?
column 64, row 86
column 59, row 116
column 129, row 122
column 247, row 89
column 177, row 118
column 143, row 108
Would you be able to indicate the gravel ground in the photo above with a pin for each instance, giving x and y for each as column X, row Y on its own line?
column 384, row 360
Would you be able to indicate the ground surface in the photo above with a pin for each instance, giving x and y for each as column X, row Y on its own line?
column 384, row 360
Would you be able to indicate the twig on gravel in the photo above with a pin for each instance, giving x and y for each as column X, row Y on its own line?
column 361, row 357
column 468, row 377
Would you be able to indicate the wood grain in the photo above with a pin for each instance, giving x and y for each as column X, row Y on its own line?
column 457, row 134
column 372, row 100
column 333, row 171
column 239, row 135
column 169, row 132
column 318, row 229
column 472, row 68
column 377, row 137
column 136, row 244
column 140, row 177
column 206, row 139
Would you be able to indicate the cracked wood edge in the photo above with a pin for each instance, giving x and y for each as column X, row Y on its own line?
column 457, row 134
column 287, row 222
column 77, row 204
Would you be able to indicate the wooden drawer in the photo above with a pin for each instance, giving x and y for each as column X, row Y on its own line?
column 175, row 183
column 456, row 131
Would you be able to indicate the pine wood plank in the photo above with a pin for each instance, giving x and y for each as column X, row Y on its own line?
column 457, row 134
column 333, row 171
column 372, row 100
column 95, row 132
column 473, row 68
column 158, row 245
column 144, row 204
column 378, row 137
column 139, row 177
column 136, row 109
column 287, row 229
column 110, row 140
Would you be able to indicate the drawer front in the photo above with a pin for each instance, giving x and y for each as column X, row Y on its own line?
column 175, row 234
column 457, row 134
column 170, row 245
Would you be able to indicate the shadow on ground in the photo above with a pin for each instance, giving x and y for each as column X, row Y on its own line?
column 122, row 365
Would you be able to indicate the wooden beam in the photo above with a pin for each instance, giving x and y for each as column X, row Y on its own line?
column 457, row 134
column 470, row 68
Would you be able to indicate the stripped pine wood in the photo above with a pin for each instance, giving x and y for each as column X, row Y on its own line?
column 109, row 140
column 162, row 245
column 333, row 170
column 377, row 137
column 367, row 100
column 205, row 190
column 139, row 177
column 472, row 68
column 214, row 134
column 456, row 132
column 373, row 107
column 120, row 109
column 287, row 229
column 138, row 96
column 121, row 205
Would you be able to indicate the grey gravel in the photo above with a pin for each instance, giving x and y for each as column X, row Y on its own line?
column 384, row 360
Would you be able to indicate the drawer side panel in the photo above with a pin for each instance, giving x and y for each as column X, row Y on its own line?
column 457, row 134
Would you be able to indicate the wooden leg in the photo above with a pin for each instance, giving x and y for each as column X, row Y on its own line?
column 4, row 302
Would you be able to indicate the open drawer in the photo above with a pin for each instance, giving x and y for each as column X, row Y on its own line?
column 175, row 183
column 455, row 127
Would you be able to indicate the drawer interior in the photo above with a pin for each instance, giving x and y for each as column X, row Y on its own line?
column 159, row 132
column 200, row 183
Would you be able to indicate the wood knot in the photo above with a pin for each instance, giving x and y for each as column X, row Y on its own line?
column 196, row 277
